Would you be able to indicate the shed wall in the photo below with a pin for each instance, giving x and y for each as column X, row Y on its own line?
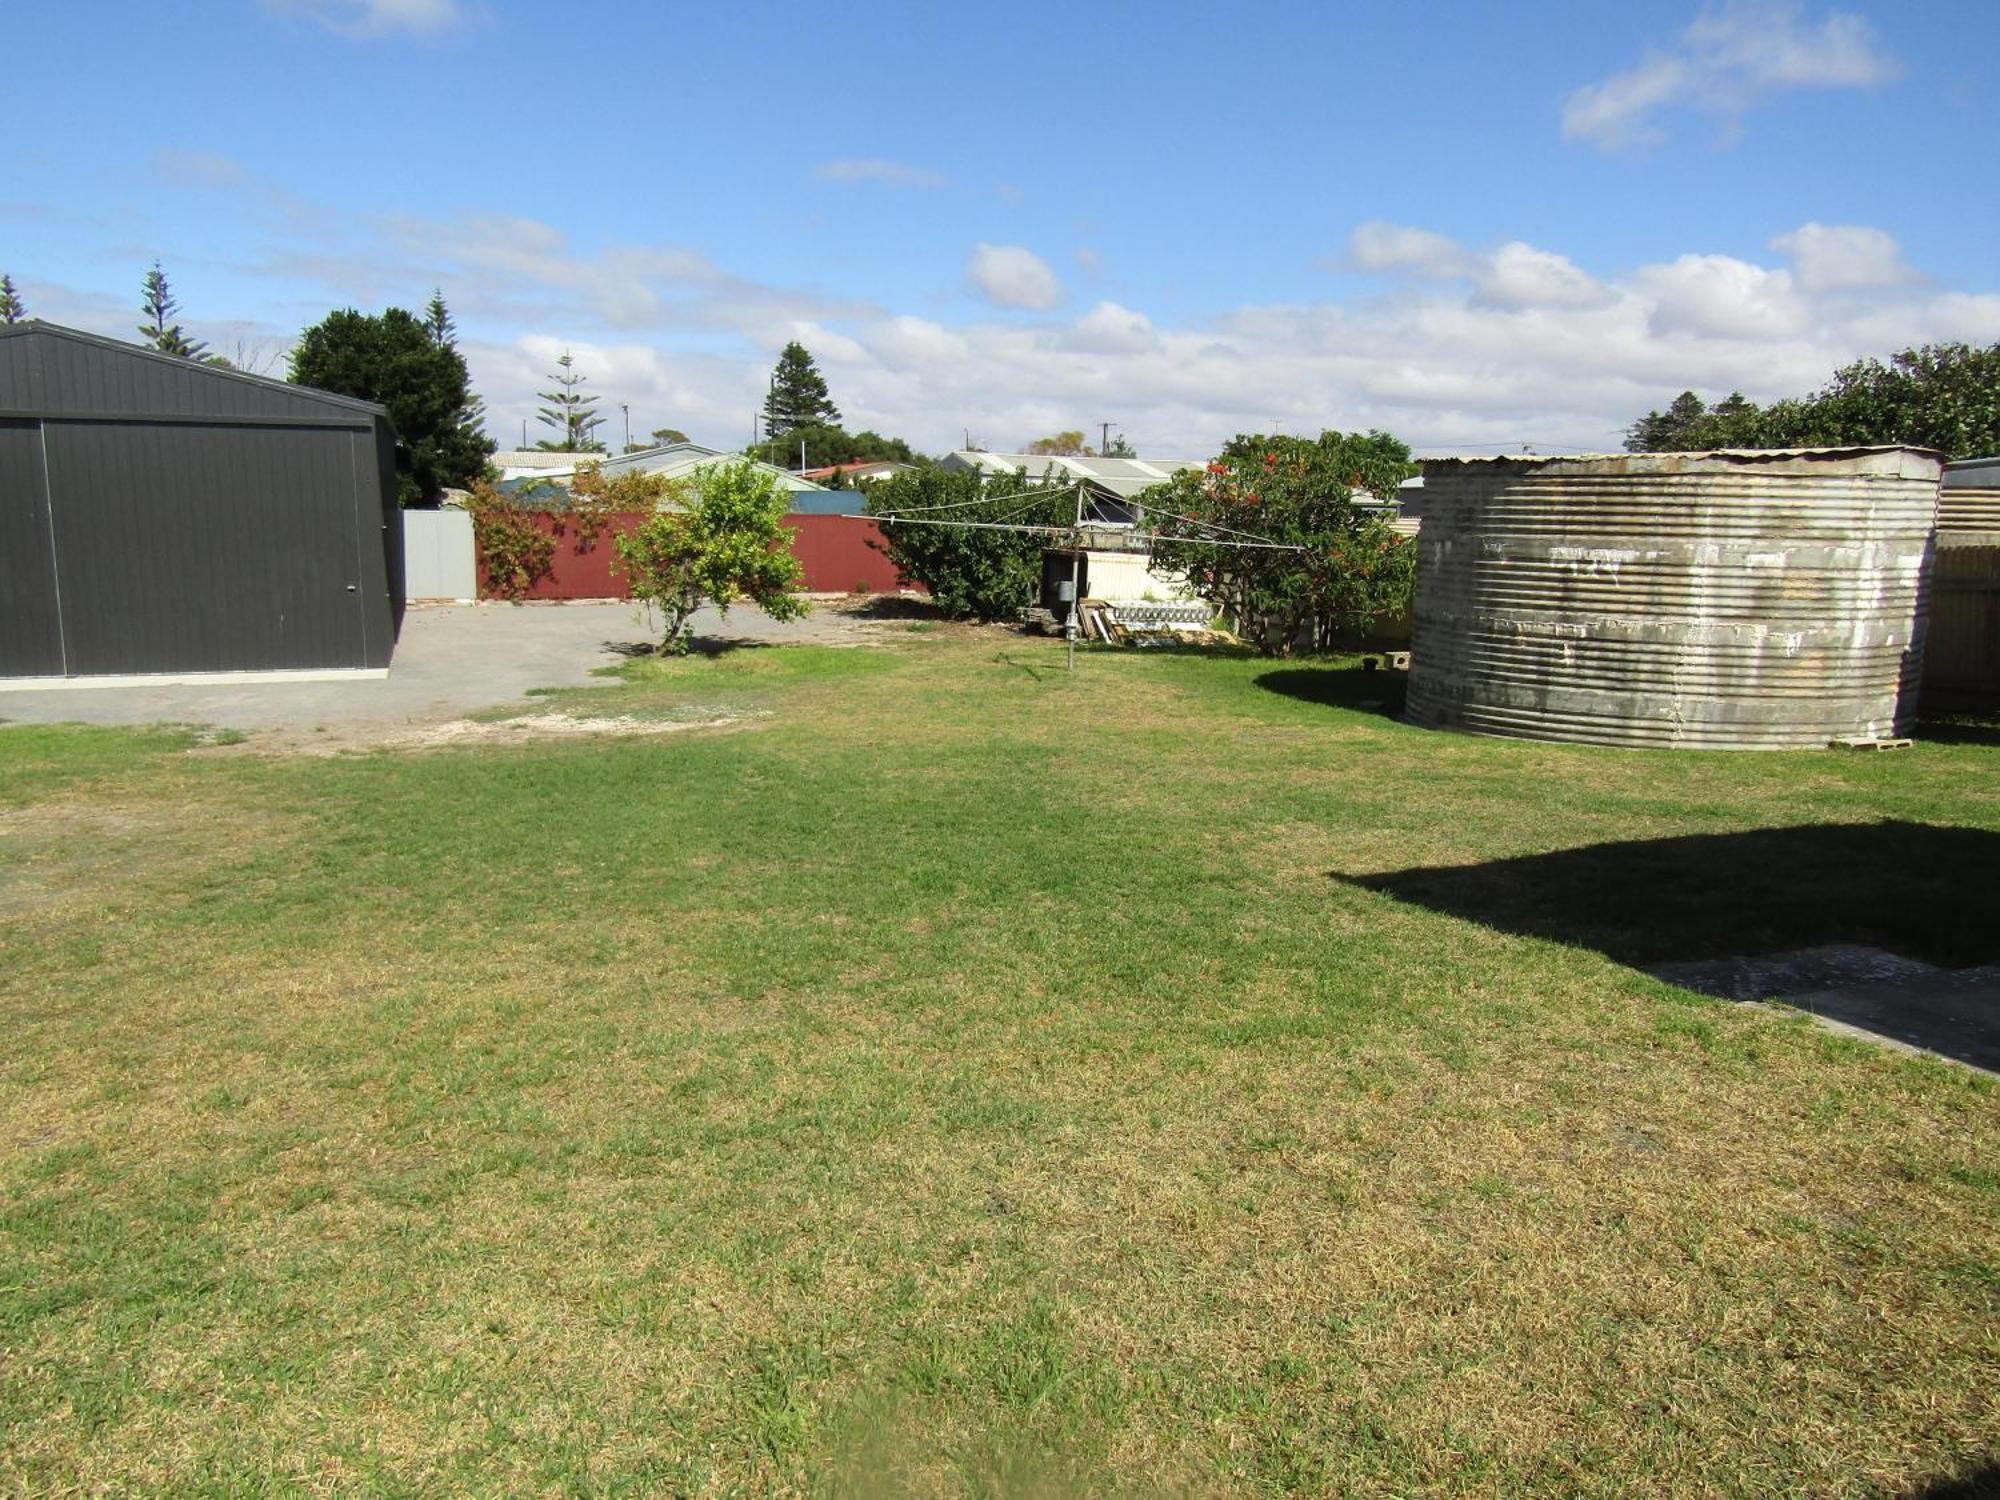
column 158, row 515
column 260, row 569
column 30, row 625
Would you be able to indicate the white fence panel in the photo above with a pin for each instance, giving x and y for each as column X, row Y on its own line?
column 437, row 555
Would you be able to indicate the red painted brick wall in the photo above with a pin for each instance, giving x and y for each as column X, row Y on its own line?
column 840, row 554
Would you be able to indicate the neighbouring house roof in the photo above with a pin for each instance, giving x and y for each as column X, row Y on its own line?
column 864, row 468
column 682, row 460
column 1122, row 478
column 533, row 458
column 679, row 460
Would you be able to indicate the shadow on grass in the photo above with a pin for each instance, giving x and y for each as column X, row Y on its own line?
column 892, row 607
column 1961, row 729
column 700, row 645
column 1982, row 1483
column 1348, row 687
column 1916, row 889
column 1786, row 913
column 1009, row 659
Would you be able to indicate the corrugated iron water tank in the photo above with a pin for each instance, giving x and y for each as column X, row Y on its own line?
column 1727, row 600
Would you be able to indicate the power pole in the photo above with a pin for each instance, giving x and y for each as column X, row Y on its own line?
column 628, row 422
column 1103, row 438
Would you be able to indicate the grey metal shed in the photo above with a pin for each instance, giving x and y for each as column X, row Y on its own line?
column 159, row 515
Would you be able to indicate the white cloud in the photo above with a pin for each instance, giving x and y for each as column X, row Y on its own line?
column 1618, row 111
column 1515, row 275
column 1842, row 257
column 367, row 18
column 1010, row 276
column 1110, row 329
column 1381, row 246
column 1466, row 347
column 1519, row 275
column 1732, row 56
column 877, row 169
column 1720, row 296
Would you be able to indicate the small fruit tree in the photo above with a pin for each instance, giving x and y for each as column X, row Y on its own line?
column 729, row 546
column 1349, row 567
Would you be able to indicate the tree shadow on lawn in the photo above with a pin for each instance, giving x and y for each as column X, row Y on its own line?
column 700, row 645
column 891, row 607
column 1350, row 687
column 1692, row 906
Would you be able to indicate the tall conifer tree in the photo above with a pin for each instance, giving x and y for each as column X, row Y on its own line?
column 569, row 412
column 798, row 395
column 159, row 330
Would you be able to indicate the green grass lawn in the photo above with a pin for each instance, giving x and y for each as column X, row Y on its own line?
column 956, row 1076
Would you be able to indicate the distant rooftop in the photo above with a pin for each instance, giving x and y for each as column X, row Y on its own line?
column 1122, row 477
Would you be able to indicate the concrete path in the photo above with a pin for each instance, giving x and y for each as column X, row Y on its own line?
column 1866, row 992
column 451, row 660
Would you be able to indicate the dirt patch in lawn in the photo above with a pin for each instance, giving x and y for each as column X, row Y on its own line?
column 545, row 726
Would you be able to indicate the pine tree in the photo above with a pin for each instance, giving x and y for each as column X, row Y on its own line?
column 437, row 318
column 158, row 304
column 798, row 395
column 569, row 412
column 470, row 418
column 11, row 309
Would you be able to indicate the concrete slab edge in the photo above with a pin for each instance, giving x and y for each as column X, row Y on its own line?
column 189, row 679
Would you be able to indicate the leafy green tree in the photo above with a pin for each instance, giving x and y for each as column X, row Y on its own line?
column 798, row 396
column 1942, row 396
column 11, row 308
column 871, row 447
column 1063, row 445
column 1350, row 567
column 971, row 571
column 1119, row 448
column 822, row 444
column 730, row 545
column 569, row 412
column 395, row 359
column 661, row 436
column 158, row 304
column 1690, row 425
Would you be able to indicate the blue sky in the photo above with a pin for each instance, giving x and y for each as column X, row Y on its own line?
column 1475, row 225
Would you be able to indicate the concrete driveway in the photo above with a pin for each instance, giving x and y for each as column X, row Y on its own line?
column 450, row 661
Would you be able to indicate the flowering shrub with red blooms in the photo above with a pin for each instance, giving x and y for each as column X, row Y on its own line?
column 1351, row 568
